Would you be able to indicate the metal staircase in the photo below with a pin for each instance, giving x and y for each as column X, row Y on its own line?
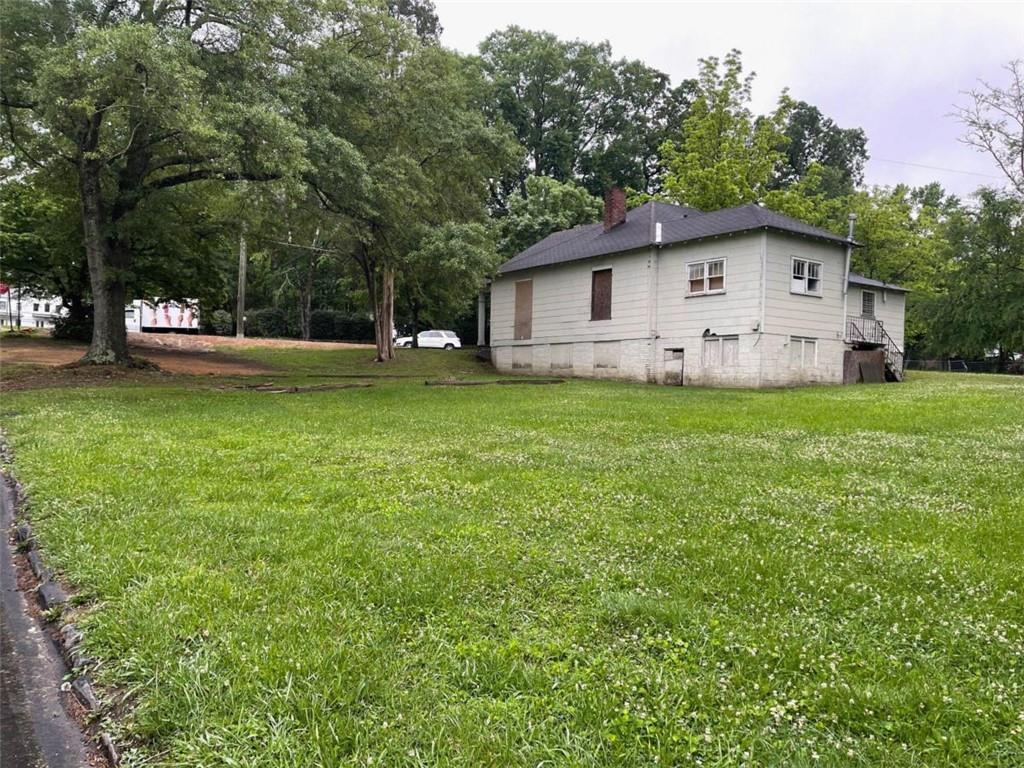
column 866, row 332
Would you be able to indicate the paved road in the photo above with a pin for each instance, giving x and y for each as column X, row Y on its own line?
column 35, row 731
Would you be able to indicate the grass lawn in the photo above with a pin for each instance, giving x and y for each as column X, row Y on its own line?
column 584, row 574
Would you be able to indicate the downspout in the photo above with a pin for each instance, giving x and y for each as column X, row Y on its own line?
column 652, row 295
column 764, row 302
column 852, row 218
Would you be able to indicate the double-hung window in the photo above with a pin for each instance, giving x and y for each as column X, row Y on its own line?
column 806, row 277
column 704, row 277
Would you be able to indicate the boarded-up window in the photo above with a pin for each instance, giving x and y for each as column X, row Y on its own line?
column 524, row 309
column 803, row 352
column 711, row 350
column 867, row 303
column 721, row 351
column 601, row 294
column 606, row 354
column 561, row 357
column 730, row 351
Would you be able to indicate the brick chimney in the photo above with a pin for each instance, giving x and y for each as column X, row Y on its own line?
column 614, row 208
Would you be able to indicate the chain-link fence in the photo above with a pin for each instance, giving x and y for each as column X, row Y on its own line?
column 959, row 365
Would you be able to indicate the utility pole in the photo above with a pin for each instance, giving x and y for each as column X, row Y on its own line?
column 240, row 308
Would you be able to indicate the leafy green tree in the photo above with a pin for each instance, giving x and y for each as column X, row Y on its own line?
column 40, row 238
column 814, row 139
column 578, row 114
column 138, row 99
column 426, row 155
column 902, row 232
column 725, row 157
column 645, row 111
column 420, row 15
column 546, row 206
column 295, row 256
column 552, row 93
column 443, row 275
column 978, row 304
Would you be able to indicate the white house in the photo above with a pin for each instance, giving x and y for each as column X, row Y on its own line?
column 19, row 309
column 664, row 293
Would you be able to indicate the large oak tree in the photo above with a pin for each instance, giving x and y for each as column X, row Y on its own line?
column 137, row 99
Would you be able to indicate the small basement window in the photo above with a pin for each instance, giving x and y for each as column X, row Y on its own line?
column 706, row 277
column 867, row 303
column 601, row 294
column 803, row 352
column 806, row 277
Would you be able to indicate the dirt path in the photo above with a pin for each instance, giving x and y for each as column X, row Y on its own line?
column 185, row 359
column 210, row 343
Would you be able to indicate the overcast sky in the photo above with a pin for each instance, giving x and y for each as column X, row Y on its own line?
column 895, row 70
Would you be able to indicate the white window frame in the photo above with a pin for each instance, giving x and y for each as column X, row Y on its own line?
column 806, row 276
column 874, row 303
column 804, row 342
column 704, row 265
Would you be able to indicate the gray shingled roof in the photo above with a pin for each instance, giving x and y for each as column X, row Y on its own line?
column 679, row 225
column 869, row 282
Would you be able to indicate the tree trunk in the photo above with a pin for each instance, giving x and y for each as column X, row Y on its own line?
column 384, row 313
column 415, row 311
column 306, row 301
column 380, row 287
column 106, row 274
column 78, row 310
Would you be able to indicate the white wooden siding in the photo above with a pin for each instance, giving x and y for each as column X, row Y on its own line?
column 735, row 311
column 648, row 323
column 797, row 314
column 889, row 309
column 561, row 302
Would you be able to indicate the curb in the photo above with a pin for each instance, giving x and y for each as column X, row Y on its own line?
column 52, row 598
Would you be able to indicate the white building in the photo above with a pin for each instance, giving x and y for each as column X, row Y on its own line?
column 19, row 309
column 663, row 293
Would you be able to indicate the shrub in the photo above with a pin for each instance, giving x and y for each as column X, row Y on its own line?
column 73, row 328
column 266, row 323
column 353, row 328
column 330, row 324
column 321, row 324
column 221, row 322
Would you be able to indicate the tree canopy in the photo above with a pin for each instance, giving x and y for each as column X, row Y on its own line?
column 726, row 156
column 368, row 166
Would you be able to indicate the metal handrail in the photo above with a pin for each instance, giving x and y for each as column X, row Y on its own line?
column 871, row 331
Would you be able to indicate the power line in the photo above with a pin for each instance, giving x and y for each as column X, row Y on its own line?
column 936, row 168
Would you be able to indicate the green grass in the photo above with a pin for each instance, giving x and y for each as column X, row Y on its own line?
column 587, row 574
column 417, row 364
